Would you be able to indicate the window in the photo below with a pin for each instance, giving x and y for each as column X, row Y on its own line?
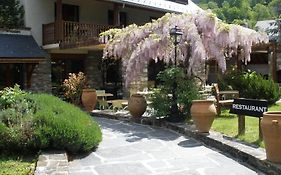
column 122, row 18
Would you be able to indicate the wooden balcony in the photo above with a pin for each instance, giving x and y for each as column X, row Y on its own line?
column 73, row 34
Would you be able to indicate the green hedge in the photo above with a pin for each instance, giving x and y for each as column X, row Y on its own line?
column 30, row 122
column 252, row 85
column 64, row 126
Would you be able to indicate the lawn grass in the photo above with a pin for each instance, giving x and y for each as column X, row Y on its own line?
column 228, row 124
column 17, row 165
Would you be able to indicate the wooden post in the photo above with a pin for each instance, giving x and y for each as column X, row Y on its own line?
column 241, row 124
column 116, row 18
column 274, row 62
column 238, row 62
column 260, row 132
column 59, row 25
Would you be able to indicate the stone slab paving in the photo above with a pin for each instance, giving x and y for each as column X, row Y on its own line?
column 52, row 163
column 133, row 149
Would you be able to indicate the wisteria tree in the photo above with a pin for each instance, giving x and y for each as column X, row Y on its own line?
column 204, row 37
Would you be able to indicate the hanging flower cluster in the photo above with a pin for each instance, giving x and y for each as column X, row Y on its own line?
column 204, row 33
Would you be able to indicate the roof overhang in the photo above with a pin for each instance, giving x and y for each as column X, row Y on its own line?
column 162, row 5
column 21, row 60
column 17, row 47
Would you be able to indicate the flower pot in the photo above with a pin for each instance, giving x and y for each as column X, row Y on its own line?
column 89, row 99
column 203, row 113
column 271, row 130
column 137, row 105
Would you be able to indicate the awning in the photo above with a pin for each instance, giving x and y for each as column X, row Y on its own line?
column 162, row 5
column 20, row 48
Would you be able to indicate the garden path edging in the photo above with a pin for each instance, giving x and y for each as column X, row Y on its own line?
column 52, row 162
column 247, row 154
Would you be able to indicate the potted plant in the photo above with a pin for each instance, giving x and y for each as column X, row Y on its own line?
column 203, row 113
column 271, row 130
column 76, row 91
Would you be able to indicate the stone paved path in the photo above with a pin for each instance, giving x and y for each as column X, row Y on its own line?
column 132, row 149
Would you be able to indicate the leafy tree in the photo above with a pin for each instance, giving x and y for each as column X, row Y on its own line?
column 11, row 14
column 243, row 12
column 275, row 6
column 261, row 12
column 212, row 5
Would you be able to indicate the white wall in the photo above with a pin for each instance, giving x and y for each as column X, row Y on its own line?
column 38, row 12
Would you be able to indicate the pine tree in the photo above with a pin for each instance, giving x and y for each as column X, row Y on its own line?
column 11, row 14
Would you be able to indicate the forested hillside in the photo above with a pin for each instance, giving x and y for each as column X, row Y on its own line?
column 243, row 12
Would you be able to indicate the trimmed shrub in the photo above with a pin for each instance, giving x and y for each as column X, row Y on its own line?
column 29, row 122
column 252, row 85
column 64, row 126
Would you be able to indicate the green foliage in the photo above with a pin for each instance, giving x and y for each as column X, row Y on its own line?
column 10, row 96
column 242, row 12
column 186, row 92
column 30, row 122
column 252, row 85
column 11, row 14
column 16, row 117
column 275, row 6
column 64, row 126
column 16, row 164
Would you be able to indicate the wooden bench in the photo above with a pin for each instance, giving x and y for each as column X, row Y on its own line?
column 221, row 97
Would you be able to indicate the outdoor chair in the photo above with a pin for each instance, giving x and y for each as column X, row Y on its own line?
column 102, row 104
column 222, row 98
column 117, row 105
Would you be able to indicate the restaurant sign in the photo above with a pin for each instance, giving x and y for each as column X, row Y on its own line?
column 249, row 107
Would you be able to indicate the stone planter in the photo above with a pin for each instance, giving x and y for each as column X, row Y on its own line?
column 89, row 99
column 137, row 105
column 203, row 113
column 271, row 130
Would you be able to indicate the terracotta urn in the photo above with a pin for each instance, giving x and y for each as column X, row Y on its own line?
column 137, row 105
column 271, row 130
column 89, row 99
column 203, row 113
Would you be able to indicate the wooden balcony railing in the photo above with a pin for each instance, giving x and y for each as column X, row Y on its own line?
column 73, row 34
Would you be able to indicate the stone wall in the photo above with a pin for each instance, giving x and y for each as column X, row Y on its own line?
column 138, row 85
column 93, row 69
column 41, row 77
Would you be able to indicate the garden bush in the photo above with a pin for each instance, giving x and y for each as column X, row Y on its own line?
column 16, row 119
column 64, row 126
column 73, row 87
column 186, row 91
column 30, row 122
column 252, row 85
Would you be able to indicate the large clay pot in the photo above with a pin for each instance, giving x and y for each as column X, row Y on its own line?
column 203, row 113
column 271, row 130
column 89, row 99
column 137, row 105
